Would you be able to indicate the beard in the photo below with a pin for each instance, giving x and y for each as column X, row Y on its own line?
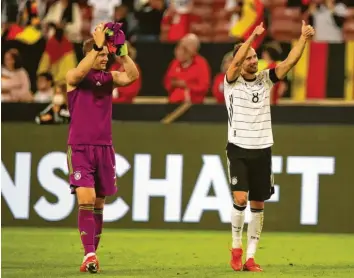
column 252, row 69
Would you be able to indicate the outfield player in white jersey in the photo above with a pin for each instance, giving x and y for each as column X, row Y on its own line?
column 247, row 99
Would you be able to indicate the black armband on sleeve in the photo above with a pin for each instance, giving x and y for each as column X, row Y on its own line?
column 273, row 76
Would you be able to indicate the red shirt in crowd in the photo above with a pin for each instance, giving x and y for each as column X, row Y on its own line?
column 218, row 87
column 126, row 94
column 196, row 76
column 178, row 25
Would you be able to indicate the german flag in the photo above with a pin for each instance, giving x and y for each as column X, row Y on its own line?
column 324, row 71
column 252, row 15
column 58, row 58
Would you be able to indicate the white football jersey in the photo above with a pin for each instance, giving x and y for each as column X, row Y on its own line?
column 248, row 108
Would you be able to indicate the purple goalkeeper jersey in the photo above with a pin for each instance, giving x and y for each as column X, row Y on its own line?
column 90, row 106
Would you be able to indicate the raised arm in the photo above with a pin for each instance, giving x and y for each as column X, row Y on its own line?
column 235, row 67
column 129, row 76
column 294, row 56
column 75, row 75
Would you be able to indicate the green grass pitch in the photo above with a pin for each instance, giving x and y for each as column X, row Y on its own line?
column 46, row 253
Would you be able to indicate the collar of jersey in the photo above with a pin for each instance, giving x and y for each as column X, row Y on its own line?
column 250, row 80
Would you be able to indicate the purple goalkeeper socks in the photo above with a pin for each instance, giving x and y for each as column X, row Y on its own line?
column 86, row 223
column 98, row 215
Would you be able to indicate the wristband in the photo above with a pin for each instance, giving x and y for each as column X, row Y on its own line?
column 96, row 48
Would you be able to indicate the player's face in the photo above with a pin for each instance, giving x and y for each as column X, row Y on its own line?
column 181, row 53
column 42, row 83
column 101, row 60
column 9, row 61
column 250, row 65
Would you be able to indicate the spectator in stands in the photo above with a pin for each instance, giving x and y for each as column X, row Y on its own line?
column 149, row 16
column 86, row 11
column 22, row 23
column 103, row 11
column 176, row 20
column 120, row 15
column 244, row 16
column 64, row 18
column 57, row 112
column 128, row 93
column 15, row 83
column 218, row 84
column 188, row 75
column 28, row 13
column 327, row 17
column 45, row 90
column 58, row 58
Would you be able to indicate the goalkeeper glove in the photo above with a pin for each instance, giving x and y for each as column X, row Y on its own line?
column 122, row 50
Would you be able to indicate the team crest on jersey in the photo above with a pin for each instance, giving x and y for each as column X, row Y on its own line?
column 77, row 175
column 234, row 180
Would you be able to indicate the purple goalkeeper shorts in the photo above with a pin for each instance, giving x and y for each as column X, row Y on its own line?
column 93, row 167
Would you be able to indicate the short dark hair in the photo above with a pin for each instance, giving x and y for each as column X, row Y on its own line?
column 17, row 58
column 236, row 48
column 88, row 45
column 47, row 75
column 273, row 53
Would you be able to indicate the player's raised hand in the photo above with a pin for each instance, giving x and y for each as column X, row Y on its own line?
column 258, row 30
column 307, row 31
column 99, row 35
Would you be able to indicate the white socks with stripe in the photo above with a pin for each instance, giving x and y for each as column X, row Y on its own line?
column 254, row 231
column 237, row 221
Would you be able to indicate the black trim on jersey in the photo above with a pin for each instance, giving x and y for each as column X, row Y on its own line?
column 230, row 82
column 250, row 80
column 273, row 76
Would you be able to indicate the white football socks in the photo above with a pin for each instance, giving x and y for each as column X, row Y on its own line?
column 254, row 231
column 237, row 221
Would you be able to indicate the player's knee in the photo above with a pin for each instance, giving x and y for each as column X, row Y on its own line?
column 240, row 198
column 86, row 196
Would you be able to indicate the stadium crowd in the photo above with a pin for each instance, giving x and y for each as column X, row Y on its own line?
column 64, row 24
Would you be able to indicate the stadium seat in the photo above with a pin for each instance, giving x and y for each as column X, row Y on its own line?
column 274, row 3
column 203, row 12
column 219, row 4
column 203, row 2
column 285, row 23
column 286, row 13
column 350, row 13
column 348, row 27
column 203, row 30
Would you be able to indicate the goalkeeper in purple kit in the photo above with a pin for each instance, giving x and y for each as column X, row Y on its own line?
column 90, row 154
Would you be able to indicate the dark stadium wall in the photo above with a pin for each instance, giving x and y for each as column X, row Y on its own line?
column 177, row 178
column 196, row 113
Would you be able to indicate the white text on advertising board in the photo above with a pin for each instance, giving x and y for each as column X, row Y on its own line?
column 16, row 191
